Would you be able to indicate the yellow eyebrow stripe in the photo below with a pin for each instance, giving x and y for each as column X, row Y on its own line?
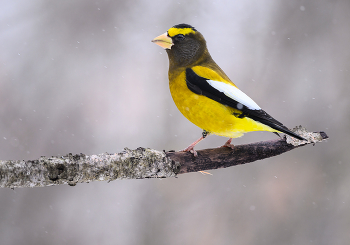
column 176, row 31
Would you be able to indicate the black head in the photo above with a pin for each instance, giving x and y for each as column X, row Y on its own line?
column 188, row 45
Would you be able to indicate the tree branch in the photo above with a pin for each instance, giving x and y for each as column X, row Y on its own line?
column 141, row 163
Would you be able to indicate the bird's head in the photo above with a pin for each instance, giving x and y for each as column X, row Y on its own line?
column 184, row 44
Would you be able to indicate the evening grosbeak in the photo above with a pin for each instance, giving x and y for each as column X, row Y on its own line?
column 205, row 95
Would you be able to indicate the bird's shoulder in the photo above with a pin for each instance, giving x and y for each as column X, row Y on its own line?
column 212, row 72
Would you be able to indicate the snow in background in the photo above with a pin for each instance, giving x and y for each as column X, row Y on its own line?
column 84, row 77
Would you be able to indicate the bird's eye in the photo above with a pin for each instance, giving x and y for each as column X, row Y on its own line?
column 180, row 37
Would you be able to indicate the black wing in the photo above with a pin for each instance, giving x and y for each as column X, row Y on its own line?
column 199, row 85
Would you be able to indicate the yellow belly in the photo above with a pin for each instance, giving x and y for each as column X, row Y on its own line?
column 209, row 114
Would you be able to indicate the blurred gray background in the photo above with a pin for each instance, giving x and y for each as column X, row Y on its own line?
column 83, row 77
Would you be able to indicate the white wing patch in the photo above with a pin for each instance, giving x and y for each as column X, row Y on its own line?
column 235, row 94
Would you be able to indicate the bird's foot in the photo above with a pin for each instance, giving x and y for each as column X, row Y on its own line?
column 228, row 144
column 191, row 146
column 190, row 149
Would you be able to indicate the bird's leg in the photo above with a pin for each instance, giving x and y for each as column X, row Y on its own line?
column 228, row 144
column 191, row 146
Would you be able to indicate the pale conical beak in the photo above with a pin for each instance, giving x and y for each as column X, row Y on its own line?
column 164, row 41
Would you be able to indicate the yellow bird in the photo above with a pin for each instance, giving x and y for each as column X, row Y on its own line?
column 205, row 95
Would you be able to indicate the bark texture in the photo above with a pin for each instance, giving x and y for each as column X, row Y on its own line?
column 140, row 163
column 72, row 169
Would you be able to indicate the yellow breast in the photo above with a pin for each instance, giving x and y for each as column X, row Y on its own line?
column 209, row 114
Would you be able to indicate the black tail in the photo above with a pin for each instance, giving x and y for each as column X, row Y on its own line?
column 286, row 131
column 264, row 118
